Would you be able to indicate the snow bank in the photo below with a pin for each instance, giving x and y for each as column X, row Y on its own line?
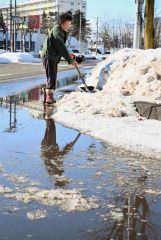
column 4, row 60
column 128, row 76
column 10, row 57
column 124, row 77
column 2, row 51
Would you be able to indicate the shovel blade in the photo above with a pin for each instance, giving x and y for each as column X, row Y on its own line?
column 88, row 88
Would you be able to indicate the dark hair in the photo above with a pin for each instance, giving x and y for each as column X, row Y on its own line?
column 65, row 17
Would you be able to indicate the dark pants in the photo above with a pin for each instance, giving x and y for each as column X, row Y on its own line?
column 51, row 67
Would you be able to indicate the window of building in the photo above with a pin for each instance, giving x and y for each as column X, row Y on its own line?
column 18, row 45
column 26, row 45
column 72, row 3
column 32, row 46
column 1, row 44
column 8, row 44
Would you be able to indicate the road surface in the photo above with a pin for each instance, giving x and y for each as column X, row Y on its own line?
column 18, row 71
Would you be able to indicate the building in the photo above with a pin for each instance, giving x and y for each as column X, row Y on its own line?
column 34, row 40
column 37, row 7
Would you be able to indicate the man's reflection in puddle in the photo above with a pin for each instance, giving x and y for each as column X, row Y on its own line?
column 51, row 154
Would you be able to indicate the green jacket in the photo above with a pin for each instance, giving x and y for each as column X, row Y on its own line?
column 54, row 46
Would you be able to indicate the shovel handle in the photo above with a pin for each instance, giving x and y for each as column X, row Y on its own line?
column 80, row 75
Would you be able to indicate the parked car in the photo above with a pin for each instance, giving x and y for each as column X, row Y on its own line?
column 107, row 52
column 78, row 56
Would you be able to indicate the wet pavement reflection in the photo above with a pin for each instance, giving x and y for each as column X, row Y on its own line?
column 39, row 156
column 51, row 154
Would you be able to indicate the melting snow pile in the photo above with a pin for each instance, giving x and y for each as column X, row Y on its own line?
column 124, row 77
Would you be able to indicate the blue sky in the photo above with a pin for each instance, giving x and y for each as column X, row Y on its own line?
column 106, row 9
column 110, row 9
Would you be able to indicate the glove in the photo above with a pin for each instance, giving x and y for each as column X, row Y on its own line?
column 72, row 56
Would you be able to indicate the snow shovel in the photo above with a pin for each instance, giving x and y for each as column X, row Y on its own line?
column 85, row 88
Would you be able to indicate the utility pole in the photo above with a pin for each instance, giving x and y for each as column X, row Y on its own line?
column 7, row 30
column 149, row 24
column 80, row 28
column 15, row 27
column 138, row 24
column 97, row 36
column 11, row 29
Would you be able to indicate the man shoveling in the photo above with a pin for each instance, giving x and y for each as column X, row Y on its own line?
column 54, row 48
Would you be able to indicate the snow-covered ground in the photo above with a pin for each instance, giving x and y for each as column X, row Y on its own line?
column 2, row 51
column 110, row 115
column 10, row 57
column 18, row 57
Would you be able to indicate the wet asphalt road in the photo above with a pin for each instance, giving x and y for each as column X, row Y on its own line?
column 17, row 71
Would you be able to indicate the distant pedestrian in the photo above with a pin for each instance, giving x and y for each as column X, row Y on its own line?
column 54, row 48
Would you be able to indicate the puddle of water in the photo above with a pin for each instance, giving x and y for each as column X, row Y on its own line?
column 40, row 157
column 12, row 88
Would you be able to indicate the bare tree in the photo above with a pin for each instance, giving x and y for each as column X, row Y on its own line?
column 117, row 35
column 105, row 35
column 157, row 27
column 127, row 36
